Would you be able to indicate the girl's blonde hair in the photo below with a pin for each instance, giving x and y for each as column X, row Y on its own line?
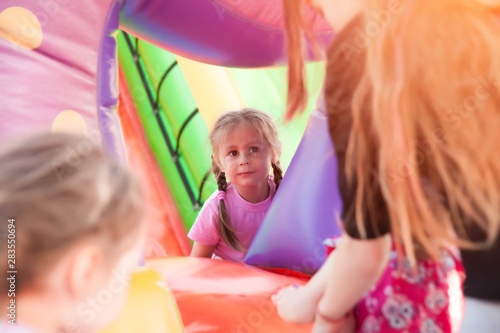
column 422, row 84
column 62, row 189
column 226, row 123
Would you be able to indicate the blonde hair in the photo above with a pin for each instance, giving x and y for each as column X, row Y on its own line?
column 61, row 189
column 424, row 94
column 297, row 33
column 226, row 123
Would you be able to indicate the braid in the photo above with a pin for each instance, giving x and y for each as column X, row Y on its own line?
column 221, row 182
column 278, row 174
column 224, row 227
column 219, row 176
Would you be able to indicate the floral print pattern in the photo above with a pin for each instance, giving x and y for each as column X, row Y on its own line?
column 414, row 300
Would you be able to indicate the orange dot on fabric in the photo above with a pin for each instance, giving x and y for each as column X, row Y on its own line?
column 69, row 121
column 21, row 27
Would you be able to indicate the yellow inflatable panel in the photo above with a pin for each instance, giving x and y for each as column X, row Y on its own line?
column 213, row 89
column 150, row 307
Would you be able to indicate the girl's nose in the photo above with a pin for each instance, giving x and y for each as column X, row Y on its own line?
column 244, row 159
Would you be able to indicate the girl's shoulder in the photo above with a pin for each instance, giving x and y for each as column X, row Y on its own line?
column 213, row 201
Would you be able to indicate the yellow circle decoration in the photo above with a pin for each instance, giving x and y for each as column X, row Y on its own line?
column 21, row 27
column 69, row 121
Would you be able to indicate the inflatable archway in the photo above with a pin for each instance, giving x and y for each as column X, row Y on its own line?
column 178, row 100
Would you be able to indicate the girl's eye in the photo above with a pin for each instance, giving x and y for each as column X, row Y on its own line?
column 254, row 149
column 232, row 153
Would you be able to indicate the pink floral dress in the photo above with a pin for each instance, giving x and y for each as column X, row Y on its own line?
column 426, row 299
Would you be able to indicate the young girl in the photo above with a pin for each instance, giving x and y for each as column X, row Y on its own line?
column 413, row 98
column 245, row 147
column 70, row 232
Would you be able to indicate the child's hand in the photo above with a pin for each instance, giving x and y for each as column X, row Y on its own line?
column 292, row 305
column 344, row 325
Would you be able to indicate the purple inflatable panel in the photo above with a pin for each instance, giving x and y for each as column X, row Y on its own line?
column 213, row 32
column 303, row 212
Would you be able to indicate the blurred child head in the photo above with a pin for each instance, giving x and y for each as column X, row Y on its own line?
column 78, row 220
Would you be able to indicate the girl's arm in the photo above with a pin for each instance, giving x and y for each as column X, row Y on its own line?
column 204, row 251
column 358, row 265
column 348, row 273
column 298, row 304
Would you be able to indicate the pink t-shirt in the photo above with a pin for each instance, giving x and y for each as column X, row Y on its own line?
column 245, row 218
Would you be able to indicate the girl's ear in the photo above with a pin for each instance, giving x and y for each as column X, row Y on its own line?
column 216, row 162
column 85, row 268
column 275, row 158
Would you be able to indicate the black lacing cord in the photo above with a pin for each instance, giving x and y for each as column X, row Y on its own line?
column 154, row 105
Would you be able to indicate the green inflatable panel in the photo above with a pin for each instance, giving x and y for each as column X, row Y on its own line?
column 166, row 106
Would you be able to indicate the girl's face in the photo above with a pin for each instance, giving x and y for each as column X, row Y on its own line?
column 337, row 12
column 245, row 156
